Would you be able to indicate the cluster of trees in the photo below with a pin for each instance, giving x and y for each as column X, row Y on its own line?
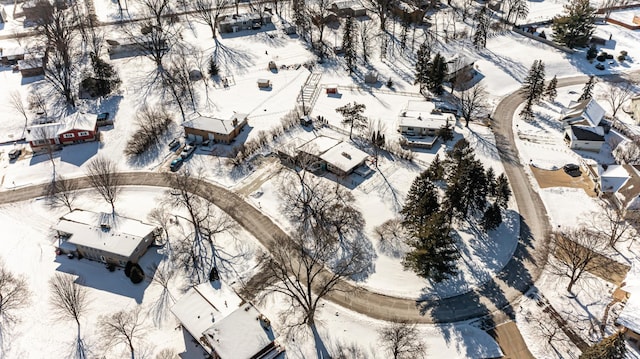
column 575, row 27
column 152, row 123
column 428, row 215
column 532, row 89
column 430, row 73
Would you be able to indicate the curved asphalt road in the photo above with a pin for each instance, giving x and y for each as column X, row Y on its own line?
column 495, row 296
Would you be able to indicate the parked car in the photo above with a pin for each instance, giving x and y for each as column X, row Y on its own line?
column 174, row 143
column 176, row 163
column 187, row 151
column 15, row 153
column 572, row 170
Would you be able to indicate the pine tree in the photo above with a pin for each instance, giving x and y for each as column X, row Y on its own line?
column 587, row 90
column 492, row 217
column 527, row 110
column 491, row 182
column 551, row 92
column 421, row 202
column 434, row 255
column 349, row 44
column 482, row 28
column 611, row 347
column 503, row 192
column 435, row 172
column 576, row 26
column 437, row 70
column 352, row 116
column 533, row 85
column 592, row 53
column 539, row 84
column 445, row 132
column 422, row 66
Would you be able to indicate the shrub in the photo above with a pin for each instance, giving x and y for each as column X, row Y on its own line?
column 214, row 69
column 609, row 56
column 137, row 275
column 127, row 268
column 623, row 53
column 621, row 58
column 592, row 52
column 152, row 123
column 600, row 58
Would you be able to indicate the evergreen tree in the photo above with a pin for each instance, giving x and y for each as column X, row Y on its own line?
column 576, row 26
column 421, row 202
column 503, row 192
column 435, row 172
column 214, row 69
column 106, row 75
column 587, row 90
column 551, row 91
column 533, row 84
column 611, row 347
column 592, row 53
column 466, row 181
column 527, row 110
column 422, row 66
column 436, row 73
column 482, row 28
column 434, row 251
column 352, row 115
column 445, row 132
column 492, row 217
column 349, row 44
column 491, row 182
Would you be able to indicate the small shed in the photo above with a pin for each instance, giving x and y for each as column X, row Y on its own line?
column 273, row 66
column 371, row 77
column 264, row 83
column 332, row 89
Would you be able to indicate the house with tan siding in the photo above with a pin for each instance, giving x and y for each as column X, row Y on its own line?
column 203, row 128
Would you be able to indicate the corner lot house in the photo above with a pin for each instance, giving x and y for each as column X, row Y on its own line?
column 104, row 237
column 419, row 122
column 202, row 128
column 235, row 23
column 225, row 326
column 75, row 128
column 336, row 156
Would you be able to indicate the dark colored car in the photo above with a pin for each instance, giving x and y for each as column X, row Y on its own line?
column 15, row 153
column 600, row 66
column 175, row 164
column 174, row 143
column 572, row 170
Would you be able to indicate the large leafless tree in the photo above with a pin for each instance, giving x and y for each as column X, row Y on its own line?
column 57, row 26
column 103, row 176
column 613, row 224
column 575, row 253
column 618, row 94
column 15, row 101
column 123, row 327
column 472, row 102
column 70, row 301
column 14, row 295
column 62, row 192
column 208, row 11
column 402, row 341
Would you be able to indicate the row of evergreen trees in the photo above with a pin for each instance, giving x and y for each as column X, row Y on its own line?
column 456, row 189
column 430, row 73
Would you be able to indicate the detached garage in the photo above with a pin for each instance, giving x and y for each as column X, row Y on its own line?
column 584, row 138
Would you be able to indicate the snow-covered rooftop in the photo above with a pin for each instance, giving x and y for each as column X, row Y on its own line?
column 613, row 178
column 203, row 304
column 216, row 125
column 587, row 110
column 420, row 114
column 319, row 145
column 241, row 335
column 78, row 121
column 104, row 231
column 344, row 156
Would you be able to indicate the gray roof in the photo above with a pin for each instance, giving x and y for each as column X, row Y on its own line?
column 583, row 134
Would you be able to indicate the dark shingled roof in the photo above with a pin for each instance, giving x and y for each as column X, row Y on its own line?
column 585, row 135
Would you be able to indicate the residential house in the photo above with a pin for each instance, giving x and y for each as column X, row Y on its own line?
column 419, row 122
column 408, row 12
column 104, row 237
column 203, row 128
column 224, row 325
column 629, row 317
column 338, row 157
column 247, row 21
column 620, row 185
column 635, row 109
column 75, row 128
column 123, row 47
column 11, row 56
column 586, row 112
column 346, row 8
column 584, row 138
column 460, row 69
column 31, row 65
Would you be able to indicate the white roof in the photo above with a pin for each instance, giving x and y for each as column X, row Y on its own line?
column 215, row 125
column 12, row 51
column 319, row 145
column 419, row 114
column 43, row 131
column 240, row 335
column 78, row 121
column 204, row 304
column 344, row 156
column 613, row 178
column 122, row 237
column 592, row 112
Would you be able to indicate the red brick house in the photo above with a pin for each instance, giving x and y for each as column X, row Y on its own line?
column 75, row 128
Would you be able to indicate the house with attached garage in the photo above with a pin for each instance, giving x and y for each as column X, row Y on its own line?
column 75, row 128
column 104, row 237
column 586, row 113
column 583, row 129
column 584, row 138
column 620, row 185
column 225, row 326
column 202, row 128
column 335, row 156
column 419, row 123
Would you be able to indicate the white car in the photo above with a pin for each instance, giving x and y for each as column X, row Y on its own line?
column 187, row 151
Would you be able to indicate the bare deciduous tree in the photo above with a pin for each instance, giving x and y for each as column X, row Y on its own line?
column 307, row 269
column 617, row 95
column 122, row 327
column 392, row 236
column 367, row 35
column 161, row 217
column 627, row 152
column 208, row 11
column 575, row 253
column 45, row 137
column 38, row 102
column 103, row 175
column 15, row 101
column 613, row 224
column 402, row 341
column 14, row 295
column 472, row 102
column 70, row 301
column 62, row 192
column 167, row 353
